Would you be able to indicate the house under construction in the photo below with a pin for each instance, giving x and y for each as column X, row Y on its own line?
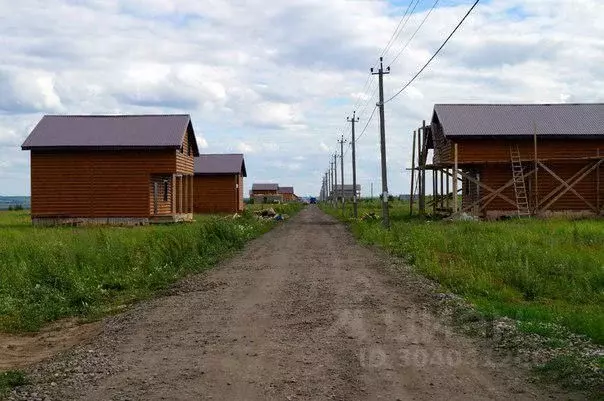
column 511, row 159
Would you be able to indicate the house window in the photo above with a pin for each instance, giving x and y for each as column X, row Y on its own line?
column 166, row 190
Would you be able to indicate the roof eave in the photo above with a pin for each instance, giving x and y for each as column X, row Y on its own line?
column 97, row 147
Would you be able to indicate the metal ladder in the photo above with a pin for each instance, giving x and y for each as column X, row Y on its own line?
column 519, row 182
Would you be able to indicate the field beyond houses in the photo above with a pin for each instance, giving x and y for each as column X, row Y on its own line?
column 51, row 273
column 14, row 202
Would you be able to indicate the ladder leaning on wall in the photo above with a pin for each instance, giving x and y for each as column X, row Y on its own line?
column 519, row 182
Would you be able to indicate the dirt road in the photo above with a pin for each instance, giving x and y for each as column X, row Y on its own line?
column 303, row 313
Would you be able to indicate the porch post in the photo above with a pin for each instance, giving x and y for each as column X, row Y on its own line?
column 186, row 200
column 455, row 172
column 173, row 194
column 180, row 195
column 191, row 197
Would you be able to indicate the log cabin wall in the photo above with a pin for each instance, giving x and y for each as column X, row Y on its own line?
column 95, row 183
column 218, row 193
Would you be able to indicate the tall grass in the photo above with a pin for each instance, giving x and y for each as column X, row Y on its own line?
column 50, row 273
column 530, row 270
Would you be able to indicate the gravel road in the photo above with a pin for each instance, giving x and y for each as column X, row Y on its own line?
column 302, row 313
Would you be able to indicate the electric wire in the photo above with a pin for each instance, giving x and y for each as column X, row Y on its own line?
column 435, row 54
column 414, row 33
column 396, row 30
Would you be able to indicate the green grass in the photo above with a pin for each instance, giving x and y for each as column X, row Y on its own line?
column 52, row 273
column 11, row 379
column 536, row 271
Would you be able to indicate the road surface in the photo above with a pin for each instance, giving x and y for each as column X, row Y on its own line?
column 303, row 313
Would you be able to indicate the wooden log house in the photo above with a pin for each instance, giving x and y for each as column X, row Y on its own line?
column 265, row 193
column 112, row 169
column 218, row 184
column 511, row 160
column 288, row 194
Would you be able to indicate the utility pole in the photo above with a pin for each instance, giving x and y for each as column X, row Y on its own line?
column 335, row 175
column 353, row 120
column 330, row 181
column 326, row 185
column 342, row 142
column 372, row 191
column 385, row 211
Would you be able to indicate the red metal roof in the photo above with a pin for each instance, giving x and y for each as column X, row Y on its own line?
column 564, row 120
column 111, row 131
column 220, row 164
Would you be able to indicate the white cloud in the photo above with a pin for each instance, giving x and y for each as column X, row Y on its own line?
column 276, row 80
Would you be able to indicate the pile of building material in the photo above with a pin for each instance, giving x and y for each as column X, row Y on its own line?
column 270, row 214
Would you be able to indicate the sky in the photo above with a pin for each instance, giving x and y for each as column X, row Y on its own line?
column 275, row 80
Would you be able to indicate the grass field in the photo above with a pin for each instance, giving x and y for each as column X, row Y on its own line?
column 51, row 273
column 546, row 271
column 548, row 275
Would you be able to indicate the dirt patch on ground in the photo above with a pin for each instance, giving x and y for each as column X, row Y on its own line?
column 21, row 350
column 303, row 313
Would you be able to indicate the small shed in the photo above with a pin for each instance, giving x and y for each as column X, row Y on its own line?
column 265, row 193
column 111, row 169
column 218, row 184
column 288, row 194
column 514, row 159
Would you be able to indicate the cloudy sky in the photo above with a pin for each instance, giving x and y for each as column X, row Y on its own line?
column 277, row 79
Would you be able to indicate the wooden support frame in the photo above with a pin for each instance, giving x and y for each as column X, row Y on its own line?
column 412, row 191
column 455, row 175
column 493, row 194
column 568, row 186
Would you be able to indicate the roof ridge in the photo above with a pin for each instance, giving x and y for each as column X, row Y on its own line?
column 220, row 154
column 518, row 104
column 119, row 115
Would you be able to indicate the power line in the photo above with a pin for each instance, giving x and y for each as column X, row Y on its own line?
column 415, row 33
column 366, row 125
column 396, row 30
column 435, row 54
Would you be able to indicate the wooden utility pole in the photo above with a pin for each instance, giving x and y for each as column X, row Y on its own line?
column 354, row 120
column 385, row 211
column 372, row 191
column 342, row 142
column 331, row 182
column 335, row 176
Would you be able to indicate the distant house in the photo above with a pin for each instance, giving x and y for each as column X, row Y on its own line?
column 348, row 192
column 119, row 169
column 218, row 184
column 288, row 194
column 265, row 193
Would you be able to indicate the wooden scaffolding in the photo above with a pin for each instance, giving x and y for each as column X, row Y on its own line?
column 459, row 189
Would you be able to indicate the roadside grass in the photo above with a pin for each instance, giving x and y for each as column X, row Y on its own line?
column 11, row 379
column 51, row 273
column 548, row 275
column 543, row 271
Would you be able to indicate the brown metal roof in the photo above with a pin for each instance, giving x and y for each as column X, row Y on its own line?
column 563, row 120
column 286, row 190
column 220, row 164
column 265, row 187
column 111, row 131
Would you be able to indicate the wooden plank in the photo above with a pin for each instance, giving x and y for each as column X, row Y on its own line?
column 455, row 175
column 412, row 190
column 569, row 187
